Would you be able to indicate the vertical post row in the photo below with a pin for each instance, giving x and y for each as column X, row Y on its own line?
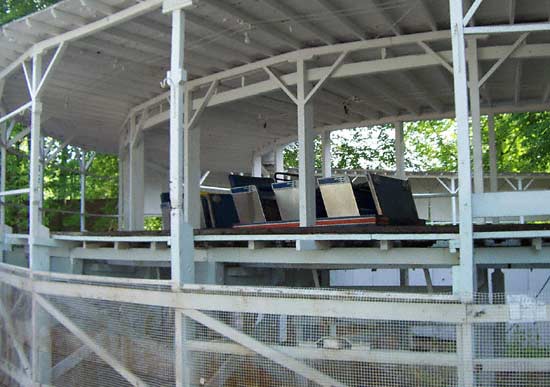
column 280, row 159
column 39, row 259
column 464, row 274
column 493, row 170
column 306, row 157
column 82, row 191
column 3, row 138
column 136, row 149
column 399, row 151
column 327, row 154
column 182, row 248
column 473, row 75
column 257, row 165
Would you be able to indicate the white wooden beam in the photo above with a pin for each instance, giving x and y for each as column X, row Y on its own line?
column 71, row 361
column 101, row 352
column 266, row 351
column 52, row 155
column 210, row 92
column 471, row 12
column 324, row 50
column 55, row 60
column 16, row 112
column 306, row 151
column 501, row 60
column 281, row 84
column 14, row 338
column 85, row 30
column 436, row 55
column 327, row 75
column 475, row 107
column 508, row 29
column 399, row 150
column 463, row 275
column 326, row 143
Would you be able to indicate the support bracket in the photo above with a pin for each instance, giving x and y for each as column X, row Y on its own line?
column 281, row 84
column 262, row 349
column 88, row 341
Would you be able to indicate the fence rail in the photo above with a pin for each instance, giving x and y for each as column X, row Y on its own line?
column 67, row 330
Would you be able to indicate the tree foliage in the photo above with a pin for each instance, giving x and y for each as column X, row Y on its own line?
column 14, row 9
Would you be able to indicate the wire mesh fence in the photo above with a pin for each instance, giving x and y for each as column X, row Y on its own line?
column 76, row 332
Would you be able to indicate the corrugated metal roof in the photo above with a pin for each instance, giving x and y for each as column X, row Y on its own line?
column 102, row 76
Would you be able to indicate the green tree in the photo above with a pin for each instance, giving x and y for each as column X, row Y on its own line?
column 14, row 9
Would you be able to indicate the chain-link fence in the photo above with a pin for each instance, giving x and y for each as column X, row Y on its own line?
column 63, row 330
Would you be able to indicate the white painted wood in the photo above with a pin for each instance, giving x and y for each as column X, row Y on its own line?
column 18, row 137
column 136, row 149
column 507, row 29
column 86, row 30
column 15, row 192
column 257, row 165
column 14, row 373
column 399, row 150
column 71, row 361
column 471, row 12
column 358, row 354
column 91, row 343
column 322, row 50
column 493, row 169
column 280, row 159
column 173, row 5
column 327, row 75
column 464, row 275
column 191, row 167
column 185, row 211
column 53, row 63
column 306, row 151
column 281, row 84
column 14, row 338
column 258, row 300
column 211, row 91
column 14, row 113
column 519, row 203
column 473, row 77
column 513, row 48
column 266, row 351
column 326, row 144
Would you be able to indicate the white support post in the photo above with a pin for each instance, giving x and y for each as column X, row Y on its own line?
column 493, row 169
column 280, row 159
column 327, row 154
column 257, row 165
column 191, row 165
column 306, row 158
column 453, row 202
column 137, row 176
column 464, row 274
column 82, row 191
column 3, row 140
column 39, row 259
column 473, row 75
column 399, row 151
column 520, row 188
column 182, row 242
